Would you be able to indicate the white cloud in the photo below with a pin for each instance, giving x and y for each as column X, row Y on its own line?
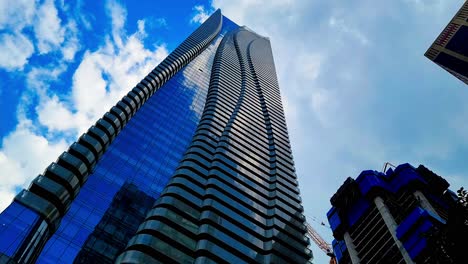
column 47, row 28
column 19, row 18
column 200, row 14
column 23, row 156
column 55, row 115
column 159, row 22
column 102, row 77
column 39, row 78
column 141, row 26
column 71, row 44
column 16, row 49
column 341, row 25
column 16, row 14
column 118, row 15
column 155, row 22
column 320, row 100
column 83, row 17
column 10, row 180
column 309, row 65
column 89, row 86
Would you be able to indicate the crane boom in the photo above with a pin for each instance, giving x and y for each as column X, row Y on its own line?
column 321, row 243
column 318, row 240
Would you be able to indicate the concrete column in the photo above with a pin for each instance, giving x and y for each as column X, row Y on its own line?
column 351, row 249
column 392, row 226
column 425, row 204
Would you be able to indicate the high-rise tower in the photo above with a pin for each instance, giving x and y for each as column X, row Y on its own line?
column 192, row 165
column 450, row 49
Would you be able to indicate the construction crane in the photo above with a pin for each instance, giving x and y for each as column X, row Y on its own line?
column 320, row 242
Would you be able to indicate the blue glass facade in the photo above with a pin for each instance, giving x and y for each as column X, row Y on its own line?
column 193, row 165
column 16, row 222
column 144, row 154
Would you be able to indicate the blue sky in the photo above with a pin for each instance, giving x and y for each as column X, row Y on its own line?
column 356, row 87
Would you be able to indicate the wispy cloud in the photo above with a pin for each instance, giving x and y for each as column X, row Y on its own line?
column 15, row 15
column 341, row 25
column 200, row 14
column 71, row 44
column 23, row 156
column 47, row 28
column 157, row 22
column 118, row 15
column 49, row 33
column 103, row 76
column 17, row 49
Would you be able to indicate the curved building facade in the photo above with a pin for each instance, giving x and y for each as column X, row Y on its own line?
column 192, row 165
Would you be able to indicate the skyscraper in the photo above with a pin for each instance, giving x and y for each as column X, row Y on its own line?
column 450, row 49
column 387, row 217
column 192, row 165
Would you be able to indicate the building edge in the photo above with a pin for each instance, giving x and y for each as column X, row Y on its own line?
column 440, row 44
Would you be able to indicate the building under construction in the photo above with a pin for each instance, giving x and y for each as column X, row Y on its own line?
column 386, row 217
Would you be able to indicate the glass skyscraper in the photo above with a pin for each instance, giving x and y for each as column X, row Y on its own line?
column 193, row 165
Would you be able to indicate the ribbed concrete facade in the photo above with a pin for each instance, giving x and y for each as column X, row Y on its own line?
column 234, row 196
